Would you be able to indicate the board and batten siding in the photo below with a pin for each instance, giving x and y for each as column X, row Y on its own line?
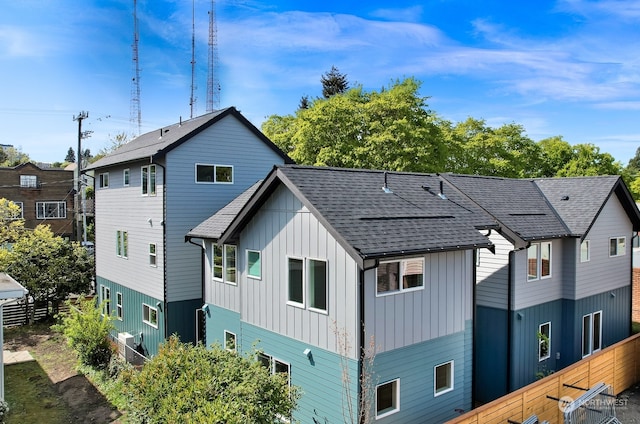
column 534, row 292
column 440, row 309
column 228, row 142
column 219, row 293
column 603, row 272
column 124, row 208
column 492, row 273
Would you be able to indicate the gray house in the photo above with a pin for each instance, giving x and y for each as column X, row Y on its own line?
column 152, row 191
column 557, row 287
column 312, row 265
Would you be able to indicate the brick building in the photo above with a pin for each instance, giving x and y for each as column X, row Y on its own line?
column 46, row 195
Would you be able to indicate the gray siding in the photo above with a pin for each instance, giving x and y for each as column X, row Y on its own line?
column 124, row 208
column 602, row 272
column 219, row 293
column 529, row 293
column 188, row 204
column 442, row 308
column 492, row 274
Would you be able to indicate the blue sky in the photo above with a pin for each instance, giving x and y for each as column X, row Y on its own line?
column 567, row 67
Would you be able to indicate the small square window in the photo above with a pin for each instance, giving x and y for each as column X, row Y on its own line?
column 254, row 269
column 30, row 181
column 443, row 378
column 617, row 246
column 205, row 173
column 149, row 315
column 224, row 174
column 387, row 398
column 229, row 341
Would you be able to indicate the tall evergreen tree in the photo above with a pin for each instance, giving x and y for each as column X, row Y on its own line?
column 333, row 82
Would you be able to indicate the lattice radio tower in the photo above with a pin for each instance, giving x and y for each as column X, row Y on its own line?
column 192, row 100
column 213, row 84
column 135, row 113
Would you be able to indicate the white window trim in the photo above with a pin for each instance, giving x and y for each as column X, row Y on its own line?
column 61, row 207
column 453, row 376
column 147, row 185
column 28, row 181
column 253, row 277
column 101, row 180
column 304, row 289
column 401, row 289
column 617, row 239
column 153, row 255
column 538, row 247
column 224, row 265
column 235, row 341
column 307, row 270
column 21, row 205
column 591, row 321
column 121, row 251
column 119, row 307
column 213, row 263
column 105, row 295
column 149, row 323
column 126, row 173
column 392, row 411
column 540, row 341
column 215, row 166
column 588, row 244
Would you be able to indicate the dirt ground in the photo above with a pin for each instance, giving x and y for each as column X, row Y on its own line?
column 86, row 404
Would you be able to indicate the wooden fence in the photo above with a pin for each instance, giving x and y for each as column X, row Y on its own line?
column 617, row 365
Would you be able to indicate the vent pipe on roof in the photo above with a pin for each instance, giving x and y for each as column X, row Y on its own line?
column 160, row 132
column 385, row 187
column 441, row 194
column 180, row 120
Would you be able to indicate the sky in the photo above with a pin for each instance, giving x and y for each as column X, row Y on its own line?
column 567, row 68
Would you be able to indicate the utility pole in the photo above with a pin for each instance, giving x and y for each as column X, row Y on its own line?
column 81, row 116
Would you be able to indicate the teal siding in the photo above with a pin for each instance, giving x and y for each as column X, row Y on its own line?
column 146, row 335
column 414, row 366
column 490, row 371
column 217, row 320
column 181, row 319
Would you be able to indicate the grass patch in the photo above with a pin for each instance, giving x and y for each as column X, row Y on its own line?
column 635, row 327
column 31, row 396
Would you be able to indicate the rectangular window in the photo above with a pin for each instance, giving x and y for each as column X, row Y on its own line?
column 254, row 269
column 398, row 276
column 274, row 365
column 217, row 262
column 539, row 260
column 545, row 260
column 125, row 177
column 149, row 315
column 18, row 214
column 230, row 264
column 387, row 398
column 617, row 246
column 119, row 305
column 229, row 341
column 103, row 180
column 591, row 333
column 206, row 173
column 29, row 181
column 317, row 284
column 443, row 378
column 51, row 210
column 585, row 251
column 105, row 300
column 148, row 177
column 152, row 254
column 296, row 281
column 122, row 244
column 532, row 262
column 544, row 341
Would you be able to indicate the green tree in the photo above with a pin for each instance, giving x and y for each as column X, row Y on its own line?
column 71, row 155
column 11, row 223
column 193, row 384
column 333, row 82
column 14, row 157
column 555, row 154
column 48, row 266
column 634, row 163
column 115, row 142
column 391, row 129
column 588, row 161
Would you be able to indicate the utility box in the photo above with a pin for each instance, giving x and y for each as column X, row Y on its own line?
column 125, row 346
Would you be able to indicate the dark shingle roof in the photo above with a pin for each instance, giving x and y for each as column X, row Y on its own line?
column 164, row 139
column 517, row 204
column 370, row 223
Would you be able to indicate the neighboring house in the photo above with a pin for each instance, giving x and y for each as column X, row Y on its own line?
column 312, row 265
column 558, row 287
column 148, row 194
column 45, row 195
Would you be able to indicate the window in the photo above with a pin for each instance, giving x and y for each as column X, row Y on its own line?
column 149, row 315
column 105, row 300
column 30, row 181
column 409, row 272
column 387, row 398
column 585, row 251
column 318, row 284
column 544, row 341
column 119, row 305
column 230, row 264
column 18, row 214
column 229, row 341
column 125, row 177
column 539, row 260
column 214, row 173
column 296, row 281
column 254, row 269
column 217, row 262
column 148, row 180
column 152, row 254
column 443, row 378
column 591, row 333
column 274, row 365
column 617, row 246
column 51, row 210
column 122, row 244
column 103, row 180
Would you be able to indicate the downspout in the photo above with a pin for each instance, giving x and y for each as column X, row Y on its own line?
column 202, row 278
column 362, row 348
column 635, row 236
column 474, row 282
column 164, row 243
column 509, row 320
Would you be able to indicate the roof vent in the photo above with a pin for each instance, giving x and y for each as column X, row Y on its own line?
column 564, row 198
column 385, row 187
column 441, row 194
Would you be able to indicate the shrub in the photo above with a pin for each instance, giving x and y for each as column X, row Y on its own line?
column 87, row 332
column 4, row 410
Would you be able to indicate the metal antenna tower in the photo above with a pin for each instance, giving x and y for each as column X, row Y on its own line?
column 135, row 113
column 192, row 101
column 213, row 84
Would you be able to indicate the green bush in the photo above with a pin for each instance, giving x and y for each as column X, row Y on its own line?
column 186, row 383
column 4, row 410
column 87, row 332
